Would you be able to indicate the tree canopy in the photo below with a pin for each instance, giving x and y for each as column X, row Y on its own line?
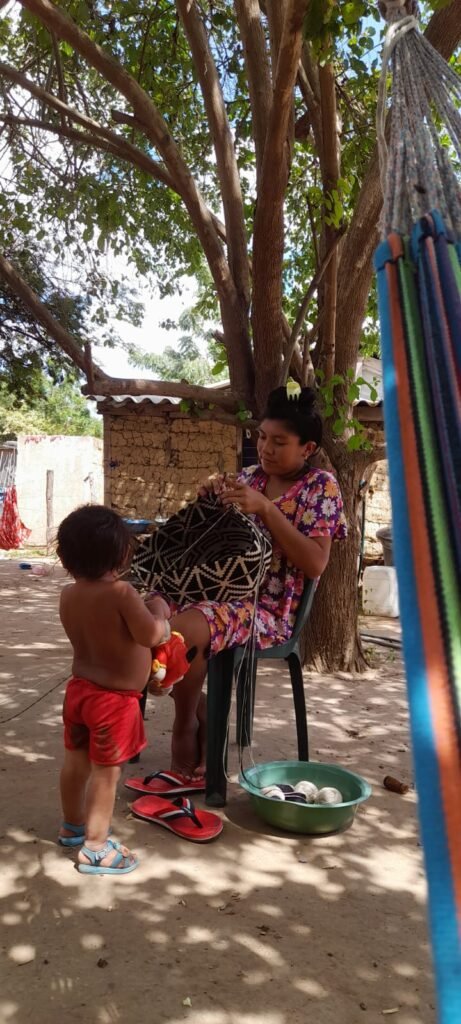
column 173, row 133
column 48, row 409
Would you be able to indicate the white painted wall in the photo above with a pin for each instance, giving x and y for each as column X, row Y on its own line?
column 72, row 459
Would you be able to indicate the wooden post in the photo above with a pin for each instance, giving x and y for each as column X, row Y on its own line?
column 49, row 509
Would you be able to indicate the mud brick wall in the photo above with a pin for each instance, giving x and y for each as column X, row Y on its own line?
column 154, row 462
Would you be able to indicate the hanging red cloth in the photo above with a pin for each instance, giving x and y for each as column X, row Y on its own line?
column 12, row 531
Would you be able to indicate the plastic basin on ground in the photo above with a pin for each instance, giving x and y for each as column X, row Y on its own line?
column 138, row 525
column 305, row 819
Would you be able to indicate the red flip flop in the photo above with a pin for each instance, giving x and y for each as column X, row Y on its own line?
column 179, row 816
column 166, row 784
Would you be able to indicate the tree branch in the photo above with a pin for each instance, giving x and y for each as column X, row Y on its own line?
column 61, row 83
column 226, row 162
column 258, row 72
column 275, row 11
column 316, row 280
column 308, row 81
column 125, row 149
column 268, row 238
column 35, row 306
column 165, row 388
column 138, row 158
column 330, row 167
column 157, row 130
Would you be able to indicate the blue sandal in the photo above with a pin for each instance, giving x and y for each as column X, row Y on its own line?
column 76, row 839
column 121, row 865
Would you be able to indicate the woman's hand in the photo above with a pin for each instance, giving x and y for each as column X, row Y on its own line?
column 247, row 499
column 217, row 485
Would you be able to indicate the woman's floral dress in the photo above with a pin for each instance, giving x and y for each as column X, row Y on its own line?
column 313, row 504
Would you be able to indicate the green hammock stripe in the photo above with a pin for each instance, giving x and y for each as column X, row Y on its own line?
column 455, row 260
column 439, row 529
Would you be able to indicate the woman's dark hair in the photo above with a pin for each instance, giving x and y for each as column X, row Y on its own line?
column 93, row 540
column 298, row 413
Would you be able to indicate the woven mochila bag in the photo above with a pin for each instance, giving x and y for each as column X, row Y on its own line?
column 206, row 552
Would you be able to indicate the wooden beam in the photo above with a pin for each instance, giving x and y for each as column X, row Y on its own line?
column 164, row 388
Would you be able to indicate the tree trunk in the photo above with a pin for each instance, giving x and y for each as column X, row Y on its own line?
column 330, row 641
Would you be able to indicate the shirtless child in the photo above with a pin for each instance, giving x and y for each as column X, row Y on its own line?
column 112, row 633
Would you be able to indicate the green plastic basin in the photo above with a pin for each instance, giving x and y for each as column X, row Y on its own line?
column 306, row 819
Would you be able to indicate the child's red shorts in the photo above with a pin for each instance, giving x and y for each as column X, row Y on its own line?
column 106, row 723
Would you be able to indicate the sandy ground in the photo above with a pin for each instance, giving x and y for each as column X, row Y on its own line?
column 257, row 927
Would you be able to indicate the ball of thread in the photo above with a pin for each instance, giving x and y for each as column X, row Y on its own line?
column 307, row 789
column 329, row 795
column 273, row 792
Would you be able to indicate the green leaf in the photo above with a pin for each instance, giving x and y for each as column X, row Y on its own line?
column 338, row 427
column 353, row 393
column 352, row 12
column 355, row 442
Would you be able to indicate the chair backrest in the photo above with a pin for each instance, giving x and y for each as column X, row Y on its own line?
column 304, row 608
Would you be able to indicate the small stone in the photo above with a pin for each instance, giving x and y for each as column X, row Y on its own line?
column 363, row 1006
column 102, row 963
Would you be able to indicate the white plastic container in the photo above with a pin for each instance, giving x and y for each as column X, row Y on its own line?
column 380, row 594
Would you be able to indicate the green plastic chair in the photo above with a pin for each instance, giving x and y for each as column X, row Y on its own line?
column 221, row 671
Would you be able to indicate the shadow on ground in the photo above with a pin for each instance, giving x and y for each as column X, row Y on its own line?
column 257, row 927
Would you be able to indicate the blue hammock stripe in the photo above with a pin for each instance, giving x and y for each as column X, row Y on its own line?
column 419, row 289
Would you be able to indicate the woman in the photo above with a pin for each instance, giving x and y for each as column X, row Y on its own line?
column 301, row 509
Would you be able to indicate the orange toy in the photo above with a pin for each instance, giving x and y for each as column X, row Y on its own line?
column 169, row 661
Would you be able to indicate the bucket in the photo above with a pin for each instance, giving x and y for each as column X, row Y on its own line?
column 380, row 594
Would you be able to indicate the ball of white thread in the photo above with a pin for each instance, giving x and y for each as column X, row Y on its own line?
column 273, row 792
column 307, row 789
column 329, row 795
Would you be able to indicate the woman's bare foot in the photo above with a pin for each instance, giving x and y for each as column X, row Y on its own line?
column 185, row 748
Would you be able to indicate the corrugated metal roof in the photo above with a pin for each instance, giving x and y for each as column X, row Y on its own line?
column 137, row 399
column 368, row 368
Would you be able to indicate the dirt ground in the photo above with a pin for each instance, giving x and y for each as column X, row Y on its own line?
column 259, row 926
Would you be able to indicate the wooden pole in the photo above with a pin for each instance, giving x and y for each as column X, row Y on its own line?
column 49, row 509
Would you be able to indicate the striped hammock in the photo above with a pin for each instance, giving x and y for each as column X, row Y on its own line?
column 419, row 287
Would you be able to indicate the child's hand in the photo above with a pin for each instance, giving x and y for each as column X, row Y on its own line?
column 157, row 690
